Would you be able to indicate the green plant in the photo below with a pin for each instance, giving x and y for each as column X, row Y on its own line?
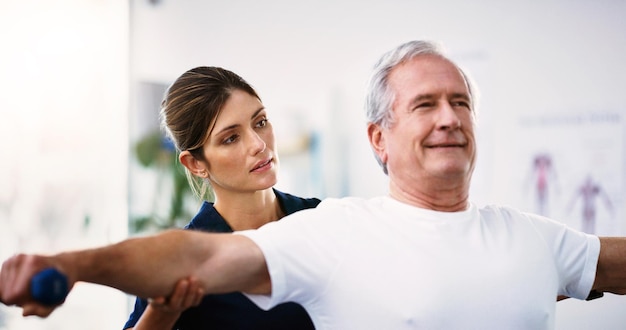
column 158, row 154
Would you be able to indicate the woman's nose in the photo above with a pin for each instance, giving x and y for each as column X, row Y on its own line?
column 257, row 144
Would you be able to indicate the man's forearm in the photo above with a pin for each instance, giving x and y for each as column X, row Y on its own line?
column 146, row 267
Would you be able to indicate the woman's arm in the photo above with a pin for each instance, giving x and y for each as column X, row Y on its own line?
column 162, row 313
column 153, row 319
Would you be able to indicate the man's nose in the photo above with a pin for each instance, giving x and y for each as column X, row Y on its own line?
column 447, row 117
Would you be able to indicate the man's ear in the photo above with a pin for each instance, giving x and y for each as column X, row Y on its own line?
column 377, row 141
column 195, row 166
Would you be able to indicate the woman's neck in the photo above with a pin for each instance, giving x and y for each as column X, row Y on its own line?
column 248, row 210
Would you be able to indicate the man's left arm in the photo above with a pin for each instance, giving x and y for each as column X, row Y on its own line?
column 611, row 271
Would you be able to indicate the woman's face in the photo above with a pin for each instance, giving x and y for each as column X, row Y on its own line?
column 241, row 149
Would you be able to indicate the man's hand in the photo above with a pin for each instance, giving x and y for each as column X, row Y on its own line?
column 15, row 283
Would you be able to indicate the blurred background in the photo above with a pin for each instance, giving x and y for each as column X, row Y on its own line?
column 84, row 164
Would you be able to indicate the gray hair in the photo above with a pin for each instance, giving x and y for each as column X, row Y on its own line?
column 379, row 97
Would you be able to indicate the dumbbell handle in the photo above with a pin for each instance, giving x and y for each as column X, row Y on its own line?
column 49, row 287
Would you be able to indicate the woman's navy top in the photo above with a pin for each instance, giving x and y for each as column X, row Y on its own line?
column 234, row 310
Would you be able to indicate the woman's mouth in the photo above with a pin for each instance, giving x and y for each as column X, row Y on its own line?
column 262, row 165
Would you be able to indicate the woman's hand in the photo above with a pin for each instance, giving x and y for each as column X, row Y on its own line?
column 162, row 312
column 187, row 293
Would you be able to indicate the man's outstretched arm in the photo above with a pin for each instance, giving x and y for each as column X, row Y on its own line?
column 146, row 267
column 611, row 272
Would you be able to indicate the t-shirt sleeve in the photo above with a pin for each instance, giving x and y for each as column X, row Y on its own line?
column 575, row 255
column 275, row 270
column 583, row 257
column 299, row 250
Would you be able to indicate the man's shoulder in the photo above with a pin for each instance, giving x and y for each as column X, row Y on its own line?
column 352, row 203
column 349, row 200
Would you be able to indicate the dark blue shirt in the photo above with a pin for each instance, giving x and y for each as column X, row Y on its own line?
column 234, row 310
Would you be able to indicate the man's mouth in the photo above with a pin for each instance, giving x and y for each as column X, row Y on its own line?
column 447, row 145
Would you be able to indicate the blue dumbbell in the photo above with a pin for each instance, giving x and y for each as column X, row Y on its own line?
column 49, row 287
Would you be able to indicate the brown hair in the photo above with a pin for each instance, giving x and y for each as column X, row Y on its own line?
column 190, row 107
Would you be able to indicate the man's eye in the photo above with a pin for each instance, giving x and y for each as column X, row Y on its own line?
column 461, row 104
column 424, row 105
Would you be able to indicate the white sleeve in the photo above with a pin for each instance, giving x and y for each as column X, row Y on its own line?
column 275, row 270
column 583, row 258
column 575, row 256
column 299, row 250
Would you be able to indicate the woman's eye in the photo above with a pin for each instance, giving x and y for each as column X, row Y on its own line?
column 230, row 139
column 262, row 123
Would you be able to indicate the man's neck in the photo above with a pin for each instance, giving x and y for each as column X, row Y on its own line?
column 433, row 197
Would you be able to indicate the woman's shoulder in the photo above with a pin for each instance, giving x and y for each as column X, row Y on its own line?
column 291, row 203
column 208, row 219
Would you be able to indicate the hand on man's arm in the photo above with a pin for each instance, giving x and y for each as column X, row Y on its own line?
column 162, row 313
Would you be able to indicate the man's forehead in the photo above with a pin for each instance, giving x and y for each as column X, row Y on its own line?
column 428, row 74
column 423, row 65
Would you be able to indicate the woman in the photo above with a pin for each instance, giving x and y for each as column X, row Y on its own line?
column 218, row 123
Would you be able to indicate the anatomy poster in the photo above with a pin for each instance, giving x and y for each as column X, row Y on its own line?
column 572, row 168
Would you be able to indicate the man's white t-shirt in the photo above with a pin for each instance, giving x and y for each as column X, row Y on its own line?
column 381, row 264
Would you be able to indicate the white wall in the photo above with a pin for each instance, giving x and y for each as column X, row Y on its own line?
column 64, row 150
column 530, row 59
column 64, row 94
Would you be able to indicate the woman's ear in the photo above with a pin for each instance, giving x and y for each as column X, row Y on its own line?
column 377, row 141
column 195, row 166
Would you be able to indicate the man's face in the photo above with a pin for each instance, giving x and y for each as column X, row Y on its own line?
column 432, row 134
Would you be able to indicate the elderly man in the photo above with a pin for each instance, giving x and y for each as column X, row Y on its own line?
column 422, row 257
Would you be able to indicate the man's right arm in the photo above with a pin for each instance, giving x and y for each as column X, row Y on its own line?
column 146, row 267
